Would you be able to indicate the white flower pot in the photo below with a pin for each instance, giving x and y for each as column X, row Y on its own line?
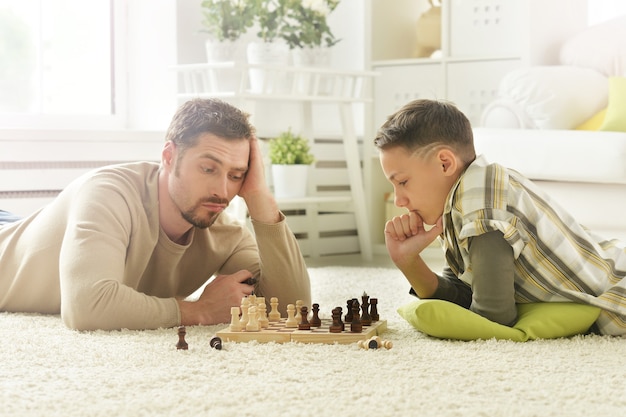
column 227, row 79
column 290, row 181
column 313, row 57
column 268, row 53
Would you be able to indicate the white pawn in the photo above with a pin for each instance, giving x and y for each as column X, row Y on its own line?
column 245, row 305
column 253, row 320
column 299, row 310
column 274, row 315
column 264, row 323
column 291, row 319
column 235, row 325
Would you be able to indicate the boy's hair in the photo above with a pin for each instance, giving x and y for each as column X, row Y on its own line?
column 211, row 115
column 422, row 126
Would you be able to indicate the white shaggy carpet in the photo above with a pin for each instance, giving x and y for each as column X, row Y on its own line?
column 48, row 370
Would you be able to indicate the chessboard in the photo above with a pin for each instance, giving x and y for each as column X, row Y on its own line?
column 277, row 332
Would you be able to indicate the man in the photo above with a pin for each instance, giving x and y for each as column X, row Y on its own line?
column 123, row 246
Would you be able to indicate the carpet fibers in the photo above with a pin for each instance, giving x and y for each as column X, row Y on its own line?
column 48, row 370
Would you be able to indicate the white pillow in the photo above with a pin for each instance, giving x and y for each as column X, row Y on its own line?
column 547, row 97
column 601, row 47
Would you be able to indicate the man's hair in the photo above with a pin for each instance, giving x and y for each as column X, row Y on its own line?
column 211, row 115
column 422, row 126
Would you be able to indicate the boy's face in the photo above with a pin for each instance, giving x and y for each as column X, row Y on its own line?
column 421, row 184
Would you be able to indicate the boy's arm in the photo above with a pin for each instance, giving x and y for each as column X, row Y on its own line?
column 493, row 284
column 451, row 288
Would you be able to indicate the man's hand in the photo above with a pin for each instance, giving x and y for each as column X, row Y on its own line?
column 255, row 191
column 213, row 306
column 406, row 237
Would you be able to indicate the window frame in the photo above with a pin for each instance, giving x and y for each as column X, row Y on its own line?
column 118, row 120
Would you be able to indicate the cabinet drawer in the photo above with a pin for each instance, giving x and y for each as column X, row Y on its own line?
column 485, row 28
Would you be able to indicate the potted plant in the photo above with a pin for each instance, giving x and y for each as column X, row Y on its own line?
column 290, row 156
column 226, row 21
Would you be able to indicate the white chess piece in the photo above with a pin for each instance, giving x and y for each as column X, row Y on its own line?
column 291, row 318
column 274, row 315
column 298, row 310
column 253, row 320
column 245, row 305
column 235, row 325
column 264, row 323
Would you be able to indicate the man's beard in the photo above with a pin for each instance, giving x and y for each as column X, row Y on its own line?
column 202, row 223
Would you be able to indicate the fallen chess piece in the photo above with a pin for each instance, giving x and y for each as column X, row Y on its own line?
column 374, row 343
column 216, row 343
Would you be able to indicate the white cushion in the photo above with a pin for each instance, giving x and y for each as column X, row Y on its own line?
column 557, row 155
column 601, row 47
column 547, row 97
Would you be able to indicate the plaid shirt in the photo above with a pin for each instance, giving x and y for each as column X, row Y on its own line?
column 556, row 259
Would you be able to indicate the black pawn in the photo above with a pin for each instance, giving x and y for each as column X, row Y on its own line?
column 336, row 327
column 315, row 320
column 182, row 344
column 304, row 323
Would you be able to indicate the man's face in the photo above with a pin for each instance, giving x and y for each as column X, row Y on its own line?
column 420, row 184
column 206, row 177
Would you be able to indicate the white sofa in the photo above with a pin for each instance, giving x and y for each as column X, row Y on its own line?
column 584, row 171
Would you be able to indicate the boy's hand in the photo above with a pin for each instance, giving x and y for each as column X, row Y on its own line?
column 406, row 237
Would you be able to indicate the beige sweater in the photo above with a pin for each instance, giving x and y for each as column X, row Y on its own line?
column 98, row 256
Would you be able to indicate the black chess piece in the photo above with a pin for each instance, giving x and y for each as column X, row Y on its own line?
column 374, row 309
column 182, row 344
column 304, row 323
column 336, row 327
column 315, row 319
column 366, row 319
column 355, row 325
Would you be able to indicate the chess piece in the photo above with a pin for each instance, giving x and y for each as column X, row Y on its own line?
column 235, row 324
column 253, row 320
column 366, row 319
column 299, row 310
column 291, row 316
column 343, row 325
column 315, row 319
column 336, row 326
column 374, row 309
column 245, row 306
column 348, row 317
column 274, row 314
column 355, row 324
column 216, row 343
column 304, row 322
column 264, row 323
column 182, row 344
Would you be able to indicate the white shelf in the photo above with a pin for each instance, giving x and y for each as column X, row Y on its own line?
column 278, row 83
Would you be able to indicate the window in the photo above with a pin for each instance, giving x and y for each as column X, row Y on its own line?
column 60, row 64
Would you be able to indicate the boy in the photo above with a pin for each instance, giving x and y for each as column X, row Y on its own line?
column 505, row 240
column 124, row 245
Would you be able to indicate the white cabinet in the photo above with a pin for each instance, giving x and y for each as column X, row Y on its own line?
column 481, row 41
